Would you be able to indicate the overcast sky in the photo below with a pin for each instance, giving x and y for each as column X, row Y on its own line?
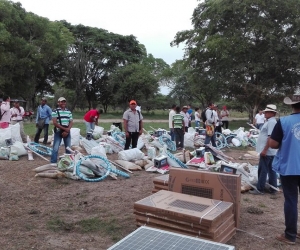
column 154, row 22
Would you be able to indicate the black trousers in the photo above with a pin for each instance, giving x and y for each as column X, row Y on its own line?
column 225, row 124
column 132, row 139
column 179, row 137
column 38, row 133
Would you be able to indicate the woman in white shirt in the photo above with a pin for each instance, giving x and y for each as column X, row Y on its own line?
column 5, row 112
column 197, row 118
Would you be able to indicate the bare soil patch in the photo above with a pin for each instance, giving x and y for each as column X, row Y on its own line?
column 42, row 213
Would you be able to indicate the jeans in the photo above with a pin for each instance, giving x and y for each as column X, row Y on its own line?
column 211, row 139
column 264, row 170
column 225, row 124
column 133, row 139
column 259, row 126
column 38, row 133
column 56, row 144
column 290, row 187
column 172, row 134
column 179, row 137
column 89, row 126
column 197, row 124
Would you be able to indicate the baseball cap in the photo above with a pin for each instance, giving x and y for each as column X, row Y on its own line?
column 132, row 102
column 60, row 99
column 44, row 99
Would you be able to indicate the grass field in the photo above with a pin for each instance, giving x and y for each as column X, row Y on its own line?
column 30, row 128
column 154, row 115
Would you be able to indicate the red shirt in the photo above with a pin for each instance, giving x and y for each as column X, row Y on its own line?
column 91, row 115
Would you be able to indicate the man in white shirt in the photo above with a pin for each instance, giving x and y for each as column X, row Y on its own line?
column 17, row 113
column 197, row 118
column 259, row 119
column 171, row 114
column 186, row 117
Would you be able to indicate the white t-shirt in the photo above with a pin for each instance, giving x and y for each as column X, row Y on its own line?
column 260, row 118
column 197, row 116
column 171, row 114
column 186, row 118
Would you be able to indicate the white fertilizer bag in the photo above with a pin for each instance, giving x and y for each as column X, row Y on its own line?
column 75, row 136
column 19, row 148
column 128, row 165
column 140, row 143
column 236, row 142
column 15, row 133
column 189, row 140
column 131, row 154
column 5, row 134
column 99, row 150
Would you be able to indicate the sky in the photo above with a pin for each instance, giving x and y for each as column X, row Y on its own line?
column 153, row 22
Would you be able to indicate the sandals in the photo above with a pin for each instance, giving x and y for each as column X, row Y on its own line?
column 281, row 237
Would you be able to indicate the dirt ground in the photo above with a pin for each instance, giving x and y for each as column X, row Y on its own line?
column 41, row 213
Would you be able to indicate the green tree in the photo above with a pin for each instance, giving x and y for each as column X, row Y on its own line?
column 133, row 81
column 30, row 50
column 92, row 57
column 247, row 50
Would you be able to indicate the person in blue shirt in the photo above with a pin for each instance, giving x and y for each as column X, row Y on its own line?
column 190, row 112
column 43, row 113
column 286, row 138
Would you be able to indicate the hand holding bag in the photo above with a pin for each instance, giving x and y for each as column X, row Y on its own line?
column 41, row 123
column 209, row 130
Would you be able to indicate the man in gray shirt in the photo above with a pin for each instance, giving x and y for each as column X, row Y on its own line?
column 133, row 125
column 266, row 154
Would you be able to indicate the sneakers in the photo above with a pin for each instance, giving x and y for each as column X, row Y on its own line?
column 53, row 164
column 281, row 237
column 255, row 192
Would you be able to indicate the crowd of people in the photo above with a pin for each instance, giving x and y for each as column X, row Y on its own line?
column 277, row 143
column 210, row 118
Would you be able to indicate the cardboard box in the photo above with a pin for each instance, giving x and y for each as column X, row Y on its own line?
column 212, row 185
column 161, row 180
column 192, row 209
column 184, row 224
column 219, row 232
column 225, row 238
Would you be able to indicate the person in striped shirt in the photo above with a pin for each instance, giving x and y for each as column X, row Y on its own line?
column 178, row 126
column 62, row 120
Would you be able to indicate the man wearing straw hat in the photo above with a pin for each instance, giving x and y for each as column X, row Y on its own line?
column 286, row 138
column 266, row 154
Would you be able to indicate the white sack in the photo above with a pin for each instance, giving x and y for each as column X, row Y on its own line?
column 15, row 132
column 189, row 140
column 19, row 148
column 4, row 135
column 128, row 165
column 75, row 136
column 131, row 154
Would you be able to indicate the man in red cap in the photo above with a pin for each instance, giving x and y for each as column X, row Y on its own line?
column 133, row 125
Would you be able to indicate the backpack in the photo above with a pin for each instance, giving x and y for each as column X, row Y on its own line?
column 1, row 114
column 203, row 116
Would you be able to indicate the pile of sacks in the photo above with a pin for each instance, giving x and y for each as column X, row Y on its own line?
column 11, row 145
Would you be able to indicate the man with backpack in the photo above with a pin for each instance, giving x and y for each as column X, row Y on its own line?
column 42, row 121
column 133, row 125
column 210, row 123
column 62, row 119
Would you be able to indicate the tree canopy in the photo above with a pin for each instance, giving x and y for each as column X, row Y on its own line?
column 246, row 50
